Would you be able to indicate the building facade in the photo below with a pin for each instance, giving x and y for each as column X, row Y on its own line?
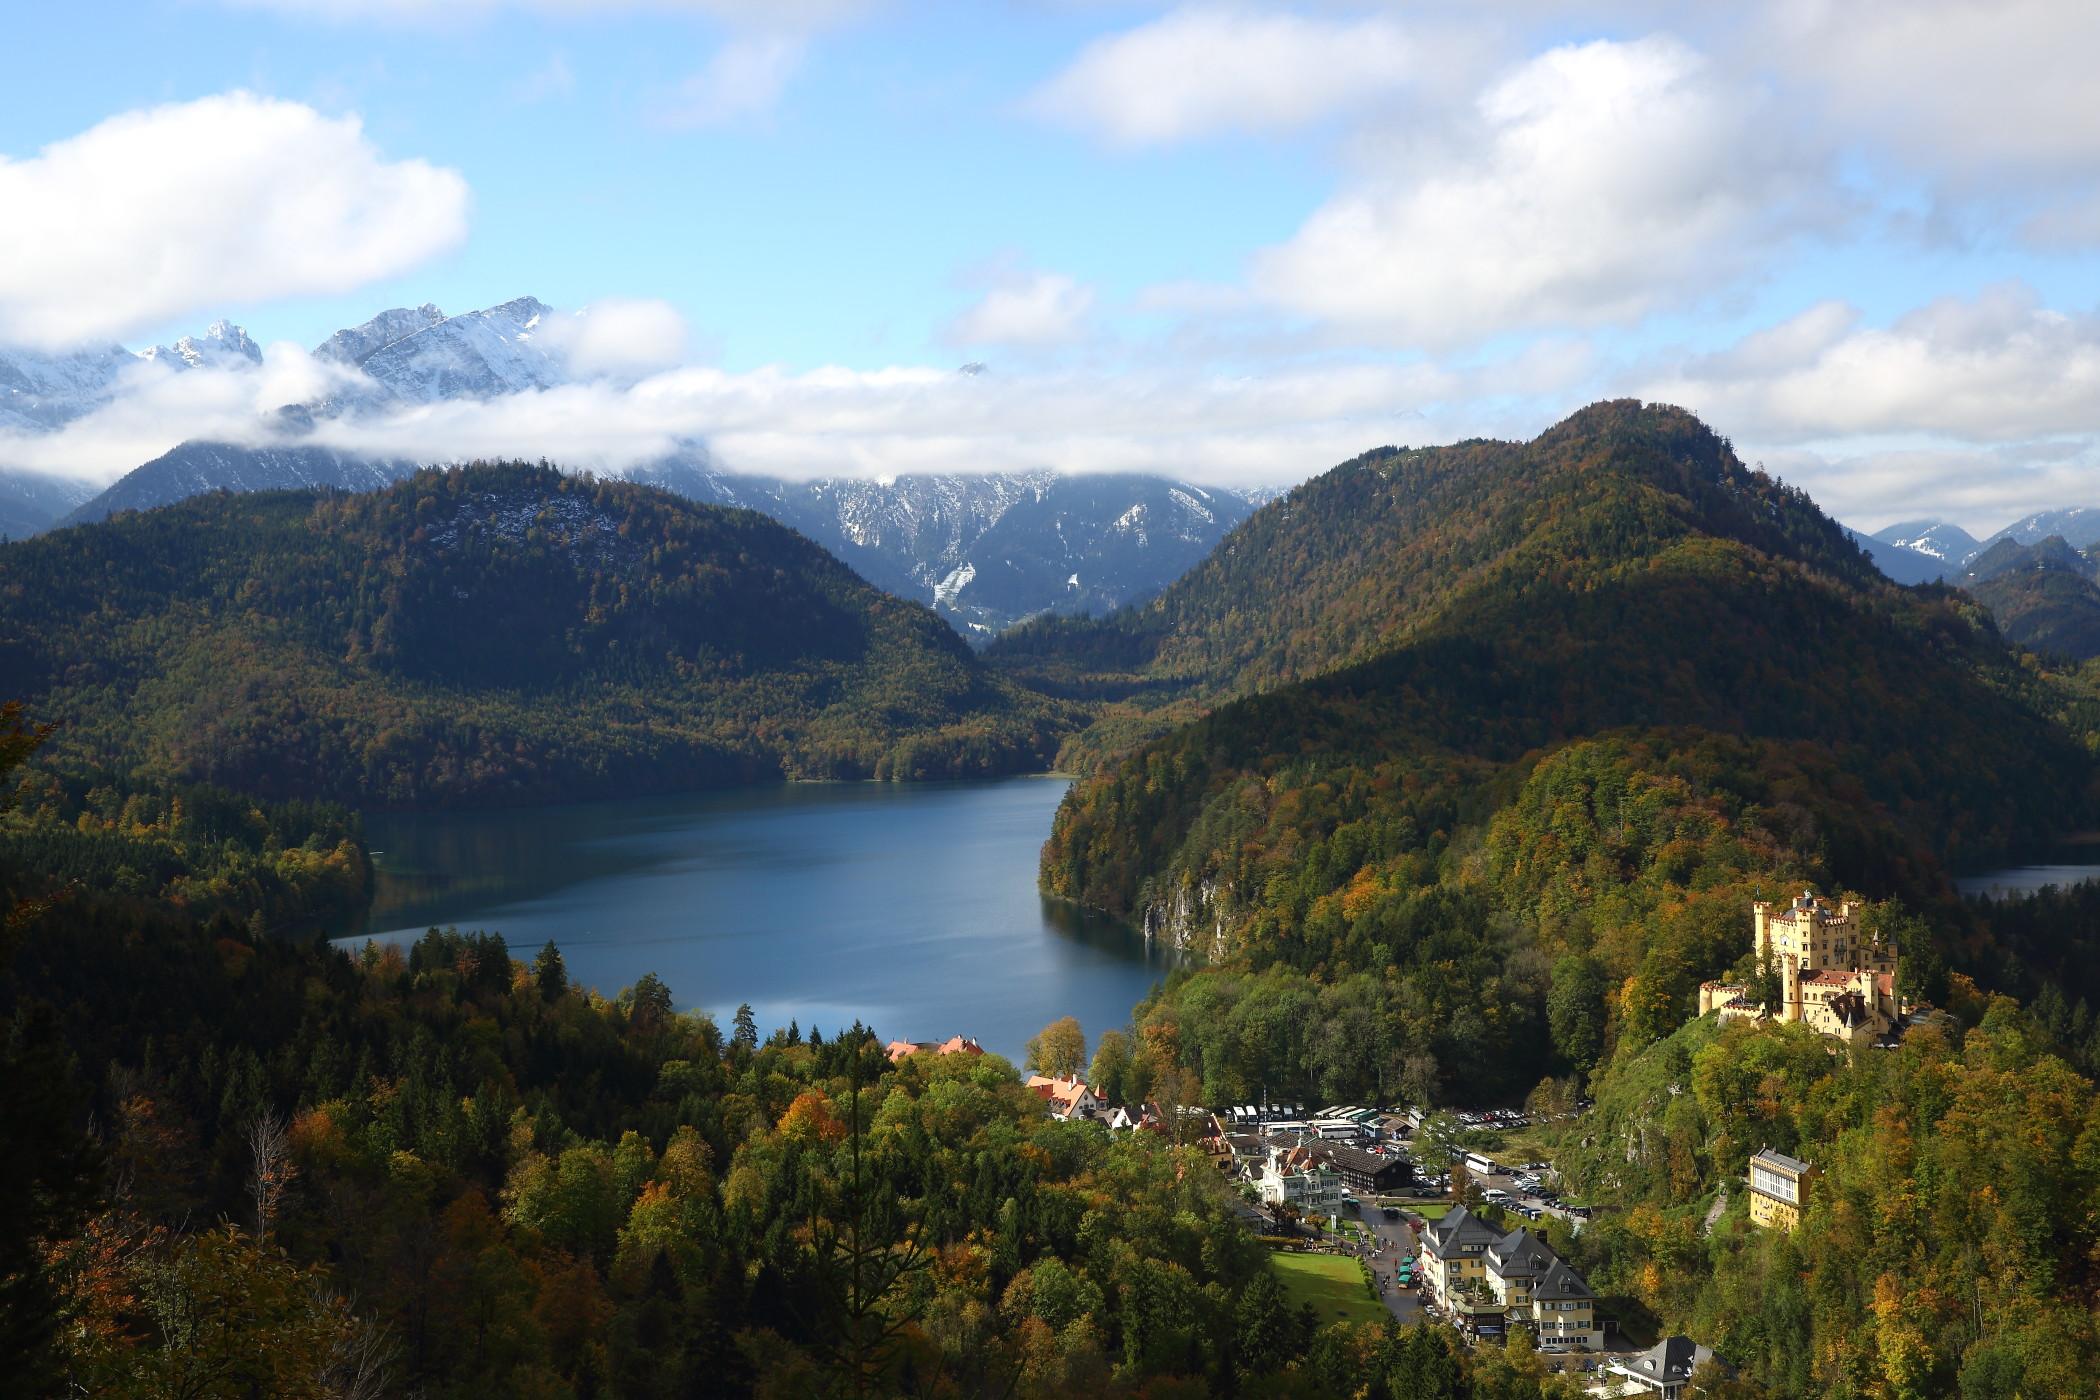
column 1486, row 1281
column 1293, row 1178
column 1832, row 975
column 1370, row 1172
column 1778, row 1189
column 1539, row 1290
column 1453, row 1257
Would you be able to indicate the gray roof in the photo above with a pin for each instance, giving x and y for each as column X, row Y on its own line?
column 1780, row 1160
column 1369, row 1163
column 1561, row 1281
column 1443, row 1238
column 1673, row 1358
column 1521, row 1252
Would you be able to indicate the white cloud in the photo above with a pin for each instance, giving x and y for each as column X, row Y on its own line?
column 1993, row 102
column 153, row 408
column 1598, row 182
column 1979, row 409
column 225, row 200
column 1279, row 426
column 1962, row 86
column 1201, row 70
column 1995, row 368
column 618, row 337
column 744, row 78
column 1042, row 309
column 1981, row 490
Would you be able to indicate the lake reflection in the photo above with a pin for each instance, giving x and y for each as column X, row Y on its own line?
column 913, row 908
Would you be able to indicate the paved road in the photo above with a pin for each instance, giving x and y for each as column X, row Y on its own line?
column 1395, row 1241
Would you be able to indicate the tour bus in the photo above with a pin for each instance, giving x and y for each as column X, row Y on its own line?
column 1335, row 1130
column 1482, row 1164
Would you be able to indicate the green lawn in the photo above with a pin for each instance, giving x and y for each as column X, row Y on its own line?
column 1332, row 1284
column 1430, row 1210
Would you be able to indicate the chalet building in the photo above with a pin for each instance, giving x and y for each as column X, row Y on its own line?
column 1369, row 1173
column 953, row 1045
column 1666, row 1369
column 1453, row 1258
column 1834, row 977
column 1069, row 1099
column 1564, row 1311
column 1538, row 1289
column 1778, row 1189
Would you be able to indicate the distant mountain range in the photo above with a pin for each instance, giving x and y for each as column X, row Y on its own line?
column 985, row 550
column 1925, row 551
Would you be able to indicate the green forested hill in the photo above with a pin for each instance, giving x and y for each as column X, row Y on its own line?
column 1631, row 686
column 2044, row 595
column 1400, row 543
column 485, row 634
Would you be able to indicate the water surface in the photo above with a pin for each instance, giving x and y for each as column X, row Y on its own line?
column 913, row 908
column 2017, row 880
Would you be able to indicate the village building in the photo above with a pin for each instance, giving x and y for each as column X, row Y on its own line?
column 1832, row 975
column 1538, row 1289
column 1564, row 1311
column 1069, row 1099
column 1299, row 1179
column 1666, row 1369
column 1453, row 1257
column 1370, row 1173
column 1778, row 1189
column 953, row 1045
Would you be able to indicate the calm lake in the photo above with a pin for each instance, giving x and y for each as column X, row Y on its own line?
column 913, row 908
column 2018, row 880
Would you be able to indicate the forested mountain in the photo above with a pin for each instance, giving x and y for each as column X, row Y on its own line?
column 487, row 634
column 984, row 550
column 2045, row 595
column 1582, row 698
column 1400, row 544
column 1567, row 735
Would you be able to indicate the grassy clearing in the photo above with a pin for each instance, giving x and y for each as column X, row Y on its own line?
column 1333, row 1284
column 1430, row 1210
column 1521, row 1145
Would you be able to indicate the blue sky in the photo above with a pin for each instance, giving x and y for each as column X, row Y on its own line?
column 1212, row 213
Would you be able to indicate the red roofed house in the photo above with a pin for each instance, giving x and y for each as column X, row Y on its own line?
column 1069, row 1099
column 953, row 1045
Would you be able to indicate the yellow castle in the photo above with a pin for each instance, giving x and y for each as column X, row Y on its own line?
column 1833, row 976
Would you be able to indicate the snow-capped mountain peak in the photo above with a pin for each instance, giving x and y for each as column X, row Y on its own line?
column 351, row 345
column 44, row 390
column 478, row 354
column 2079, row 525
column 1936, row 539
column 223, row 345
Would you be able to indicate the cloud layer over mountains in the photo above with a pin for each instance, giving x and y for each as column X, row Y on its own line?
column 1774, row 214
